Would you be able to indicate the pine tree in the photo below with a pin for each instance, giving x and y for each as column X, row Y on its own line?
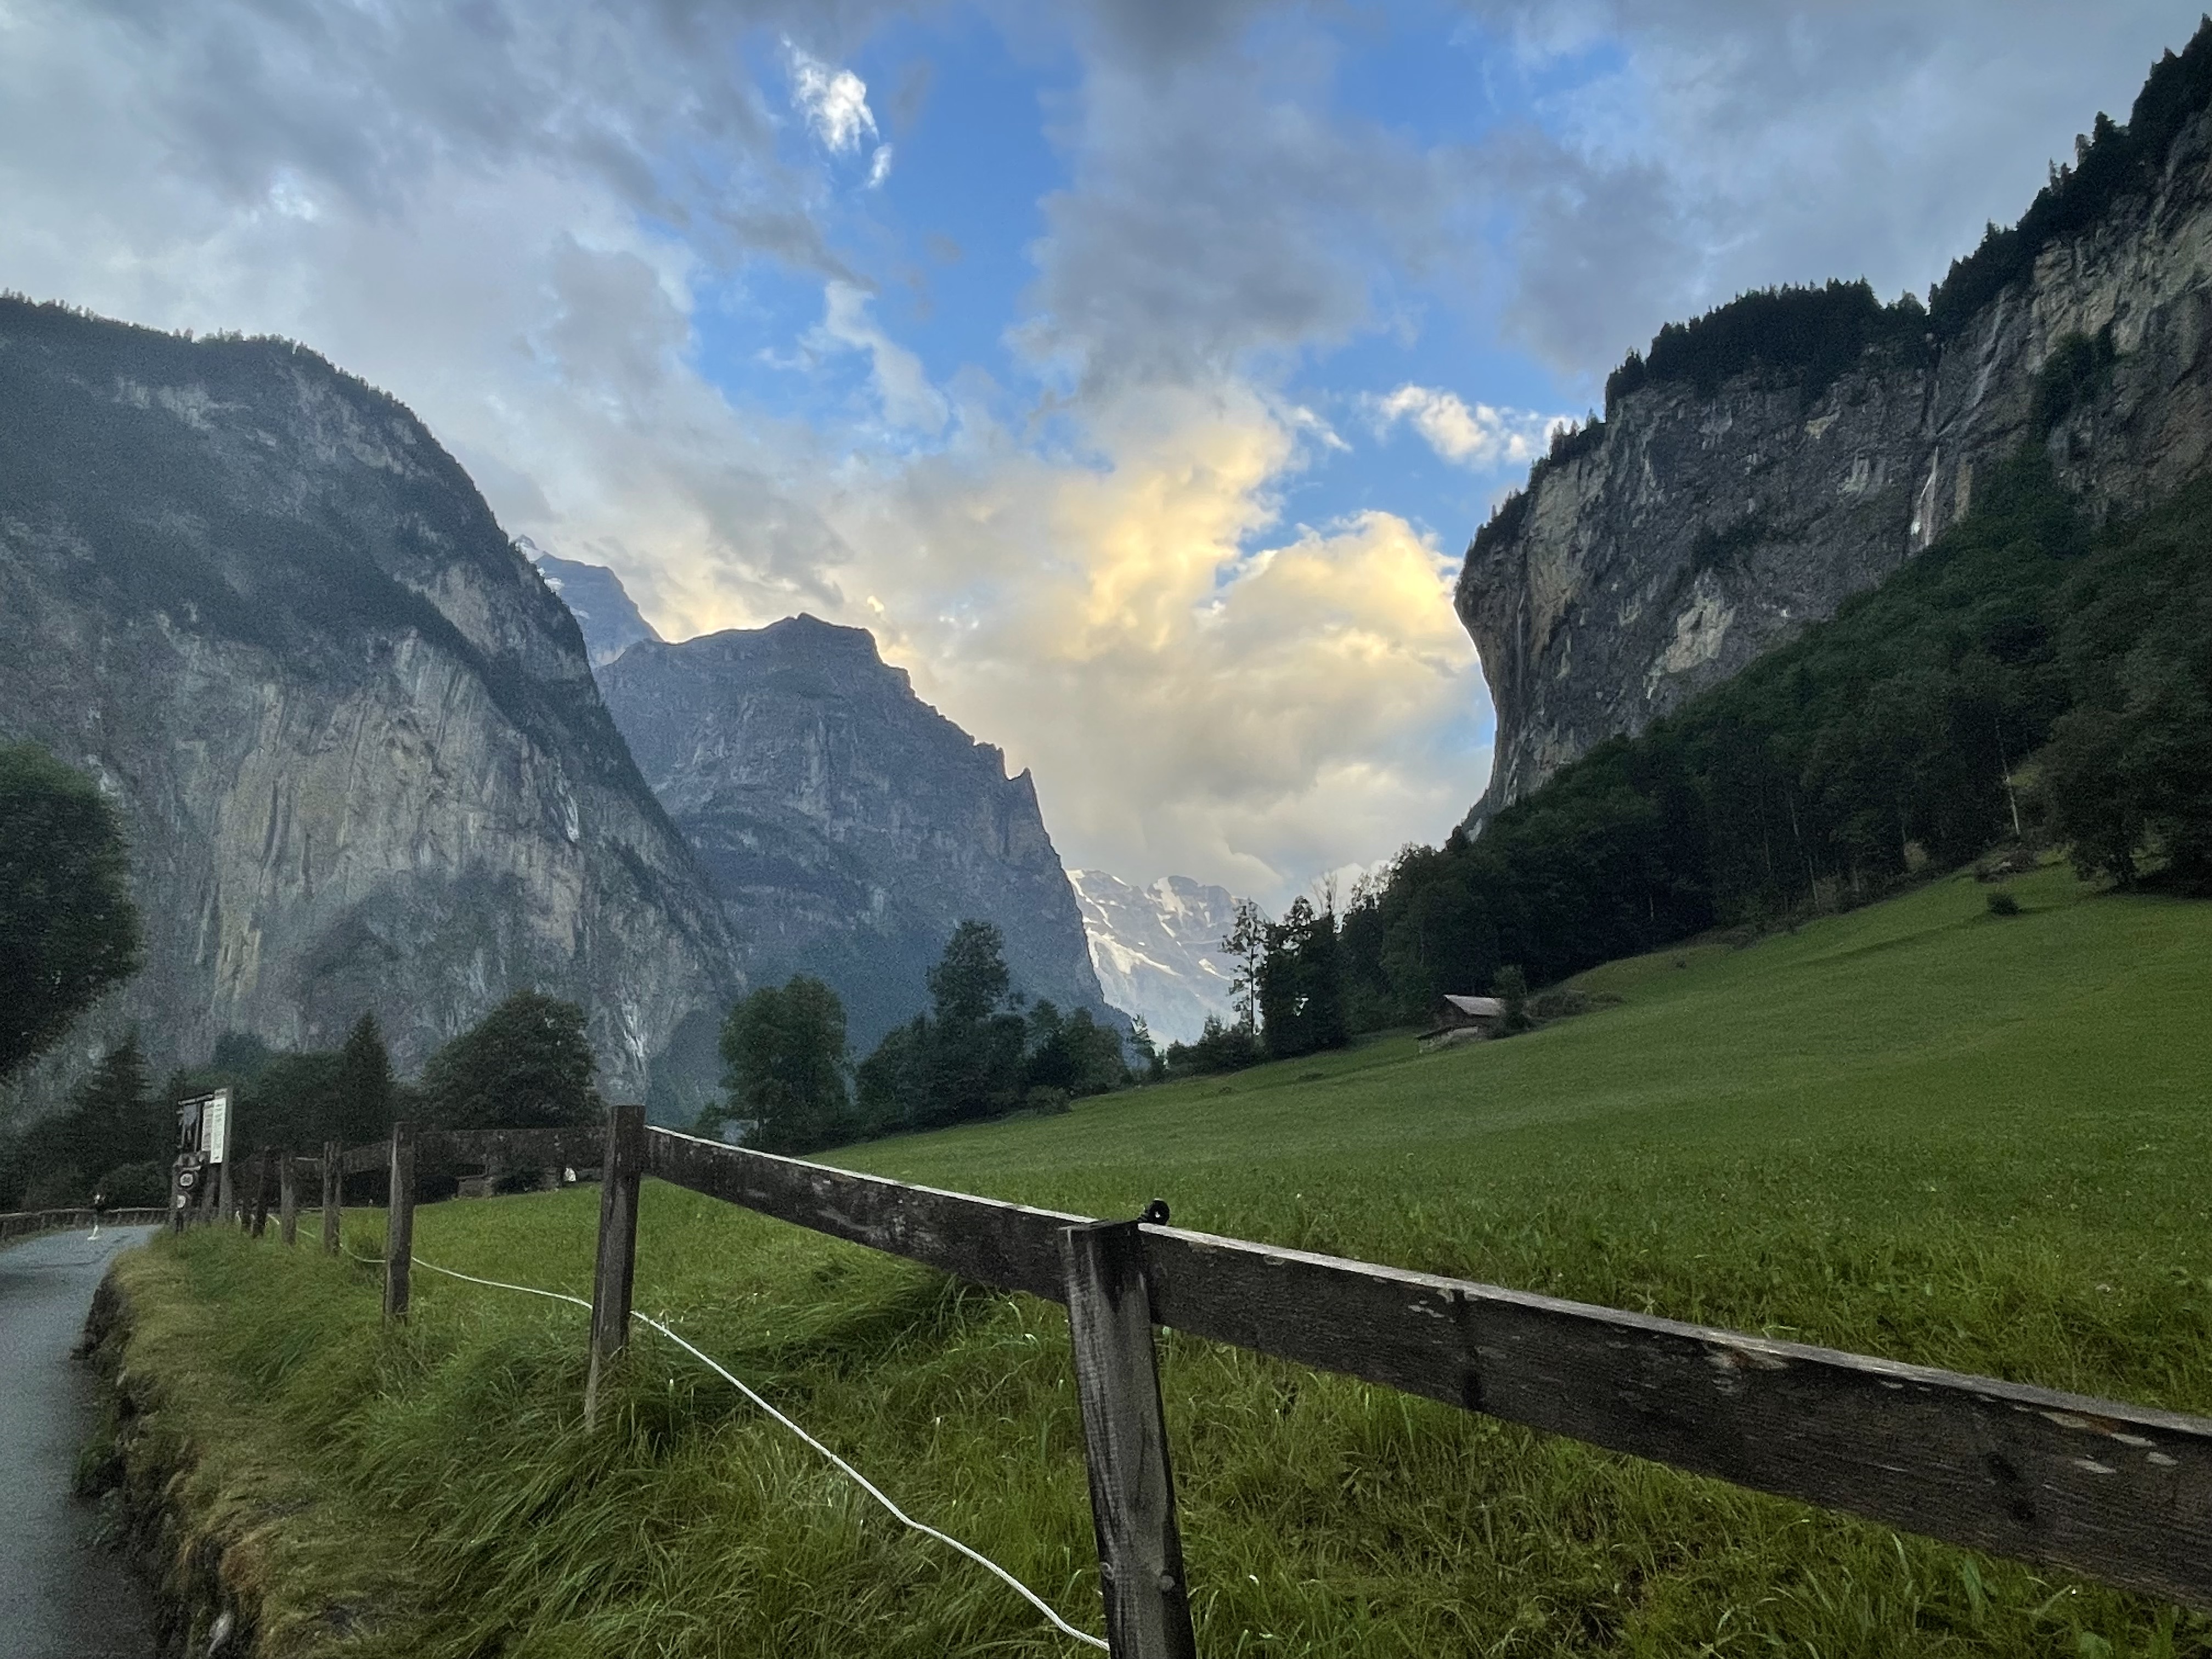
column 363, row 1102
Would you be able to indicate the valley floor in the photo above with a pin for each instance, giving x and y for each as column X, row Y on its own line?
column 1920, row 1131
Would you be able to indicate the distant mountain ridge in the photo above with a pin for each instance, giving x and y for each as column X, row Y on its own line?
column 1157, row 948
column 354, row 739
column 609, row 618
column 848, row 826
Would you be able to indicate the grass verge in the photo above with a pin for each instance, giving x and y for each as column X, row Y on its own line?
column 1918, row 1131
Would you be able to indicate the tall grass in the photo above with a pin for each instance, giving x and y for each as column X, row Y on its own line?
column 1917, row 1131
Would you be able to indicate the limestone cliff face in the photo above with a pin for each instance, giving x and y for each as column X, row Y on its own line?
column 849, row 826
column 1698, row 531
column 354, row 738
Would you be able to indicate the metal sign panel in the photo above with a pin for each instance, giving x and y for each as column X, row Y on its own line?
column 203, row 1126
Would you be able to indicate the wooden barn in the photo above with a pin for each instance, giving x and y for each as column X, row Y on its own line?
column 1475, row 1017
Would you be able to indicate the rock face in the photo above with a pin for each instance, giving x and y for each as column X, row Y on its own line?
column 848, row 825
column 597, row 599
column 353, row 736
column 1699, row 531
column 1158, row 949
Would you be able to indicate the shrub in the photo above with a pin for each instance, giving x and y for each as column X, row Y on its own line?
column 2003, row 904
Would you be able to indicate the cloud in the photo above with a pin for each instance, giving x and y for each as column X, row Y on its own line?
column 835, row 102
column 1195, row 685
column 1223, row 218
column 902, row 385
column 1477, row 436
column 1729, row 144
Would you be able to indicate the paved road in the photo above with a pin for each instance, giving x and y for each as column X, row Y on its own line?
column 61, row 1597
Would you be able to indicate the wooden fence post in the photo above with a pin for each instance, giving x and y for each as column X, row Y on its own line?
column 399, row 1222
column 223, row 1211
column 1125, row 1438
column 333, row 1194
column 260, row 1192
column 287, row 1197
column 611, row 1277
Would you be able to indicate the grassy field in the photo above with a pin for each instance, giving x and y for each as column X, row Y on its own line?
column 1918, row 1131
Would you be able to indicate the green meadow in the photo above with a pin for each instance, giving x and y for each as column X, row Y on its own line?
column 1918, row 1130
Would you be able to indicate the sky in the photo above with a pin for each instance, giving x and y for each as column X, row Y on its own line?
column 1137, row 370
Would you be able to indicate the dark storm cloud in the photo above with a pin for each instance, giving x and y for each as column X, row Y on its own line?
column 1220, row 209
column 1155, row 35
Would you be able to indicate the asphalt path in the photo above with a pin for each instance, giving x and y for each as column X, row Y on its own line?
column 61, row 1595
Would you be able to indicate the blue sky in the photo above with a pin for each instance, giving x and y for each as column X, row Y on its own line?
column 1135, row 369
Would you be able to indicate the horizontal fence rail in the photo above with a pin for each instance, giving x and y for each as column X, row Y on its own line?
column 521, row 1149
column 21, row 1223
column 2120, row 1494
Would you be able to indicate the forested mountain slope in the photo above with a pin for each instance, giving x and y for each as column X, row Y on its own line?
column 1763, row 462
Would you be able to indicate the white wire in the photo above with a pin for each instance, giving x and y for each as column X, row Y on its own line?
column 853, row 1474
column 868, row 1487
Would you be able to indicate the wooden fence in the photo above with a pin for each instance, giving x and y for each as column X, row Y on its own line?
column 2117, row 1492
column 21, row 1223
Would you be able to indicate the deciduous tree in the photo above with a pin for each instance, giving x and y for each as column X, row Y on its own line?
column 526, row 1065
column 784, row 1064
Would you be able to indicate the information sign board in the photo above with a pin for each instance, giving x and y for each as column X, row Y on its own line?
column 203, row 1127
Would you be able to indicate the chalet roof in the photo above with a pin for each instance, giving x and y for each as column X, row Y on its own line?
column 1478, row 1007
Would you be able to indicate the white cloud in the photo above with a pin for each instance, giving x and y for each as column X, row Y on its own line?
column 879, row 167
column 1473, row 436
column 835, row 102
column 902, row 383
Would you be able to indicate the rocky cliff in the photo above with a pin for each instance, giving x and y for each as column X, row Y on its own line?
column 1722, row 505
column 353, row 736
column 848, row 825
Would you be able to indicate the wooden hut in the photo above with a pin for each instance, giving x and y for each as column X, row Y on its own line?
column 1467, row 1017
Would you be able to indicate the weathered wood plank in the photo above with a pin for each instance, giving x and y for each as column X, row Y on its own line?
column 2121, row 1494
column 616, row 1265
column 581, row 1148
column 1009, row 1246
column 259, row 1179
column 366, row 1160
column 23, row 1224
column 287, row 1197
column 399, row 1222
column 1125, row 1437
column 333, row 1194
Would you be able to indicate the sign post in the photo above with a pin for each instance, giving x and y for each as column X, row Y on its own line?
column 203, row 1138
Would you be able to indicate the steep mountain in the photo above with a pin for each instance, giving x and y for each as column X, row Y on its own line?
column 1777, row 456
column 352, row 733
column 848, row 825
column 1157, row 948
column 596, row 598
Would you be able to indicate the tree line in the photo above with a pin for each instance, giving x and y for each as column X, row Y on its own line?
column 982, row 1049
column 526, row 1065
